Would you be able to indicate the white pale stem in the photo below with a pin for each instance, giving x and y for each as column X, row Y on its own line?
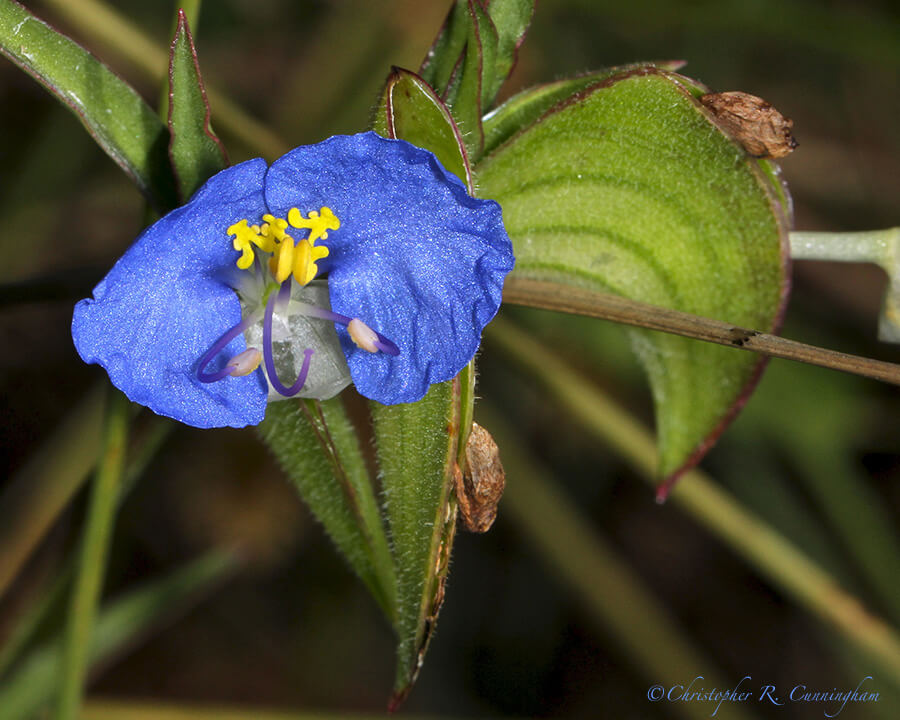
column 881, row 247
column 875, row 246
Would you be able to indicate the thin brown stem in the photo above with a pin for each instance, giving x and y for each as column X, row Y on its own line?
column 562, row 298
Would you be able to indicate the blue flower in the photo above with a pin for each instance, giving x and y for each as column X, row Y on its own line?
column 414, row 268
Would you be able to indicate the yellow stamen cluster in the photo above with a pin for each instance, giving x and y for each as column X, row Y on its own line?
column 288, row 258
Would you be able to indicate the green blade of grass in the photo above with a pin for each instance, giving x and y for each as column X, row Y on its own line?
column 775, row 558
column 124, row 126
column 94, row 553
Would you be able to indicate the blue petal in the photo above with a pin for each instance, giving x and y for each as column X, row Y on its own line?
column 164, row 304
column 415, row 258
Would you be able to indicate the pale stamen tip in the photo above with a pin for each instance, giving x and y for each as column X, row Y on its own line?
column 362, row 335
column 245, row 362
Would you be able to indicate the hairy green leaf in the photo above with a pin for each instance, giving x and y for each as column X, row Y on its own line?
column 628, row 187
column 441, row 63
column 510, row 18
column 494, row 30
column 525, row 108
column 195, row 152
column 318, row 447
column 417, row 449
column 465, row 95
column 411, row 110
column 418, row 443
column 461, row 68
column 127, row 129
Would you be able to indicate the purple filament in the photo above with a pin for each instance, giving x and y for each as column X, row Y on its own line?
column 383, row 344
column 217, row 348
column 268, row 357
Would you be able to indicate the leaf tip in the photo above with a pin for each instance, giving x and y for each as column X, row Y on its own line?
column 663, row 490
column 397, row 699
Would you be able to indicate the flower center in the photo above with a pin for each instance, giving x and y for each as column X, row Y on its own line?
column 287, row 258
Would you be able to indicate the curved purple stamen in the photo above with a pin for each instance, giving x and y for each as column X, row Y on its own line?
column 218, row 347
column 383, row 344
column 268, row 357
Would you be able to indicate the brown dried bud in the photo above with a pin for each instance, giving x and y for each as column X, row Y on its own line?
column 761, row 129
column 479, row 489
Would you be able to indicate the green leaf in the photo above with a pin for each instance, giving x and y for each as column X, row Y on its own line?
column 443, row 58
column 630, row 188
column 526, row 107
column 120, row 623
column 511, row 19
column 483, row 44
column 493, row 30
column 417, row 450
column 318, row 448
column 411, row 110
column 420, row 444
column 195, row 152
column 127, row 129
column 465, row 95
column 455, row 68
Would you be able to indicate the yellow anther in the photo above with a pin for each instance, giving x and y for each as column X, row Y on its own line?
column 246, row 258
column 282, row 262
column 274, row 228
column 305, row 259
column 271, row 237
column 245, row 236
column 318, row 223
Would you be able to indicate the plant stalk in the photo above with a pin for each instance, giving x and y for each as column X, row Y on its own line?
column 562, row 298
column 92, row 565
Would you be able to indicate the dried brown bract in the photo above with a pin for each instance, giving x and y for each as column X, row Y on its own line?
column 761, row 129
column 479, row 489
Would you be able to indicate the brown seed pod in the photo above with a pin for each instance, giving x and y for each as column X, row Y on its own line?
column 761, row 129
column 478, row 490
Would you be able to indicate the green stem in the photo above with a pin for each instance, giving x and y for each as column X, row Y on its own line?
column 774, row 557
column 615, row 596
column 110, row 29
column 94, row 551
column 858, row 516
column 37, row 494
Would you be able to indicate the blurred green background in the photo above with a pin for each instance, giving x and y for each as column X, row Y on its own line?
column 293, row 628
